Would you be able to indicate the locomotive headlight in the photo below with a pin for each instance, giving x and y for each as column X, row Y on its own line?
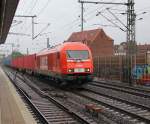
column 71, row 70
column 87, row 70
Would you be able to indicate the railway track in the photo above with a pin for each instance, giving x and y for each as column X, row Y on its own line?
column 49, row 108
column 145, row 92
column 136, row 112
column 30, row 105
column 115, row 111
column 132, row 110
column 131, row 91
column 73, row 101
column 141, row 108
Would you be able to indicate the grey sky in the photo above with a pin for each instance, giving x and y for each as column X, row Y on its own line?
column 63, row 16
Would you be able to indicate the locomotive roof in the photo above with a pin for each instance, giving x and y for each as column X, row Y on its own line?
column 59, row 47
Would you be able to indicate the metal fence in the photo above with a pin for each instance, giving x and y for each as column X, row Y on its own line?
column 121, row 67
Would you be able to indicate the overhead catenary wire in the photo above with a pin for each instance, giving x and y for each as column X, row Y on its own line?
column 35, row 3
column 44, row 7
column 143, row 9
column 17, row 23
column 117, row 18
column 24, row 9
column 73, row 23
column 87, row 15
column 41, row 31
column 101, row 11
column 32, row 5
column 67, row 24
column 122, row 14
column 112, row 22
column 77, row 19
column 30, row 11
column 28, row 27
column 93, row 15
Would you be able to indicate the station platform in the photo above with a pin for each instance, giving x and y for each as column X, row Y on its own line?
column 12, row 108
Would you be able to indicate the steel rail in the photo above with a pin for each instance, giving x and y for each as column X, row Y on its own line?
column 119, row 99
column 124, row 89
column 132, row 114
column 57, row 103
column 27, row 99
column 111, row 83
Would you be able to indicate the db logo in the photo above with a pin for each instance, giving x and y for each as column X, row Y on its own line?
column 79, row 65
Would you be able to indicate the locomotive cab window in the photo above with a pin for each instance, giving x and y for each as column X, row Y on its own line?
column 78, row 54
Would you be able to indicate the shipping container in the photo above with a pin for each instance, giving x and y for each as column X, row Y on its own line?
column 30, row 62
column 7, row 61
column 14, row 62
column 21, row 62
column 17, row 62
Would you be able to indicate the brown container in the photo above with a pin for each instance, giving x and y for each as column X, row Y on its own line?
column 30, row 62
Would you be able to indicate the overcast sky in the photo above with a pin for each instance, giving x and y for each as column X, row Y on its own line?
column 64, row 19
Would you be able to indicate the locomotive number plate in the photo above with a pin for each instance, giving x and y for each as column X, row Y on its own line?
column 79, row 70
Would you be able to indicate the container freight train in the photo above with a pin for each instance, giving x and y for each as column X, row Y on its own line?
column 67, row 64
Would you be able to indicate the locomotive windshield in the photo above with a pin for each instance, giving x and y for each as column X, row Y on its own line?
column 78, row 54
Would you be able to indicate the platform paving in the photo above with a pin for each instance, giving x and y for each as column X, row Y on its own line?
column 12, row 108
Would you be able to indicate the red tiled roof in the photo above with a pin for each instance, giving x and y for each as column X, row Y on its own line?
column 88, row 35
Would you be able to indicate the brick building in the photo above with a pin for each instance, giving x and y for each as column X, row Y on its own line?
column 143, row 48
column 122, row 48
column 98, row 41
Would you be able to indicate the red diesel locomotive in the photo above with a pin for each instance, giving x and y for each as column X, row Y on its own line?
column 65, row 63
